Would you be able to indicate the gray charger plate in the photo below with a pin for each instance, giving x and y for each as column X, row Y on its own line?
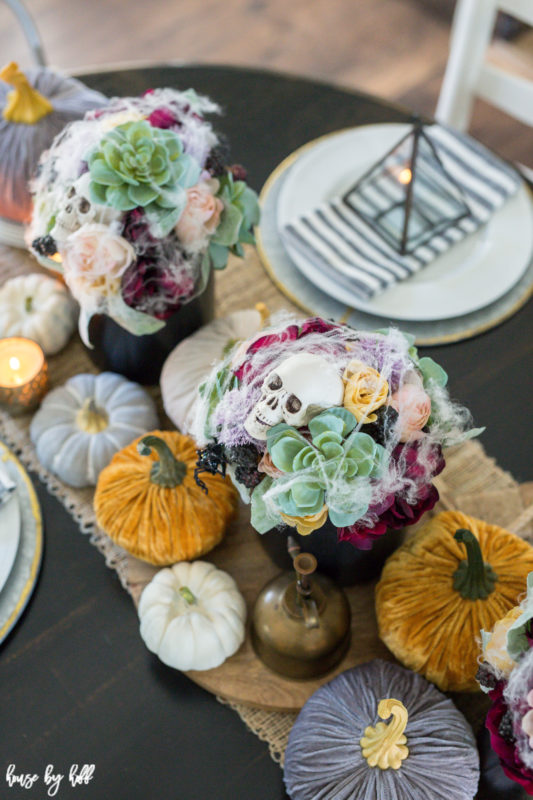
column 313, row 301
column 22, row 579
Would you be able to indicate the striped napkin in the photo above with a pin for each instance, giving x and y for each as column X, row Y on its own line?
column 335, row 238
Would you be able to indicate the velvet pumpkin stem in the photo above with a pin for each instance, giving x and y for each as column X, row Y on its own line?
column 168, row 472
column 24, row 104
column 473, row 579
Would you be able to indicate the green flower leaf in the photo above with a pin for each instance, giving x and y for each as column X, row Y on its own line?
column 517, row 640
column 219, row 255
column 98, row 193
column 431, row 371
column 143, row 194
column 118, row 197
column 308, row 497
column 102, row 173
column 227, row 232
column 343, row 519
column 261, row 517
column 284, row 451
column 133, row 321
column 333, row 419
column 162, row 220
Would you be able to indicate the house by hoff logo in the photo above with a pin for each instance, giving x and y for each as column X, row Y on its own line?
column 52, row 780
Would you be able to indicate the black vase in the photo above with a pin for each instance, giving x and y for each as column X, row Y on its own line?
column 341, row 561
column 141, row 358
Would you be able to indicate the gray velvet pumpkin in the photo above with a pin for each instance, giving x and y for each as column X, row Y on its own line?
column 338, row 735
column 22, row 143
column 81, row 425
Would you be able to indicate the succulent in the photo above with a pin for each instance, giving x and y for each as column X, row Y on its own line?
column 333, row 467
column 241, row 213
column 138, row 165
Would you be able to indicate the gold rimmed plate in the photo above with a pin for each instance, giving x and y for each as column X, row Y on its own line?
column 24, row 573
column 291, row 282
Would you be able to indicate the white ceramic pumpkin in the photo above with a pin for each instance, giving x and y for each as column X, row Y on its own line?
column 192, row 616
column 190, row 362
column 82, row 424
column 39, row 308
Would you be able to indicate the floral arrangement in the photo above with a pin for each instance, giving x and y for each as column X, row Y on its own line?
column 317, row 421
column 135, row 205
column 506, row 673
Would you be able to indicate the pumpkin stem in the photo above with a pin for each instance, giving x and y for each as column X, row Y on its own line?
column 168, row 472
column 384, row 746
column 187, row 595
column 90, row 418
column 28, row 304
column 473, row 579
column 24, row 103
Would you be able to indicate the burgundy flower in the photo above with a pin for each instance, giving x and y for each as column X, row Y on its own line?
column 291, row 333
column 157, row 283
column 136, row 229
column 238, row 172
column 506, row 751
column 393, row 511
column 246, row 370
column 163, row 118
column 317, row 325
column 402, row 513
column 361, row 536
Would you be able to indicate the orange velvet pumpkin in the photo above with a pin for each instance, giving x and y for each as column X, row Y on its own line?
column 454, row 577
column 149, row 503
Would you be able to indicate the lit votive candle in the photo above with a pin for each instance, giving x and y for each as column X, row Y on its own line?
column 23, row 374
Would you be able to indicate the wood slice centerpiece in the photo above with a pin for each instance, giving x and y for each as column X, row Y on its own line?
column 243, row 678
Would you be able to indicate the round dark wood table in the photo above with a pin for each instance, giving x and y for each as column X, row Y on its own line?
column 77, row 685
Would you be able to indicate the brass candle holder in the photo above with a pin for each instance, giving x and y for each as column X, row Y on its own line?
column 301, row 624
column 23, row 374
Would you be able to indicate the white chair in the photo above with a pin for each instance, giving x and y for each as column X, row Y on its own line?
column 468, row 75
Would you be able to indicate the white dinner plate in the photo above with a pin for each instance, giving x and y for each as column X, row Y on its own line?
column 9, row 532
column 472, row 274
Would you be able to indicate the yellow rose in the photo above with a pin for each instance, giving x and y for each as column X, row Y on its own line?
column 306, row 525
column 364, row 391
column 120, row 118
column 496, row 650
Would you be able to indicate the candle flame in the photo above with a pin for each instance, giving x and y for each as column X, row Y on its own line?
column 57, row 258
column 14, row 363
column 405, row 175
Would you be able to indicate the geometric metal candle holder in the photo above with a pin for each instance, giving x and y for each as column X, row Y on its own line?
column 408, row 197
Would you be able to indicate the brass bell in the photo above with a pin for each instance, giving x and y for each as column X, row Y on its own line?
column 301, row 626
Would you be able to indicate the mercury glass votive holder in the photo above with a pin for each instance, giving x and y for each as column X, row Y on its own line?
column 23, row 375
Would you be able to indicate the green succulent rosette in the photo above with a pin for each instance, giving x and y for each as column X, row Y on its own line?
column 241, row 213
column 135, row 165
column 334, row 467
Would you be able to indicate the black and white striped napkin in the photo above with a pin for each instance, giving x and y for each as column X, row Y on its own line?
column 333, row 236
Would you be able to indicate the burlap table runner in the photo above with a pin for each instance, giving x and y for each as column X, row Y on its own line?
column 472, row 481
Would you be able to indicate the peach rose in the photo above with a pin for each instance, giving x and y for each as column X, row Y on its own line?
column 201, row 215
column 414, row 407
column 364, row 391
column 94, row 259
column 306, row 525
column 266, row 465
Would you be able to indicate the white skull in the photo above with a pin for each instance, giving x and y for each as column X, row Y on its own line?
column 294, row 392
column 77, row 210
